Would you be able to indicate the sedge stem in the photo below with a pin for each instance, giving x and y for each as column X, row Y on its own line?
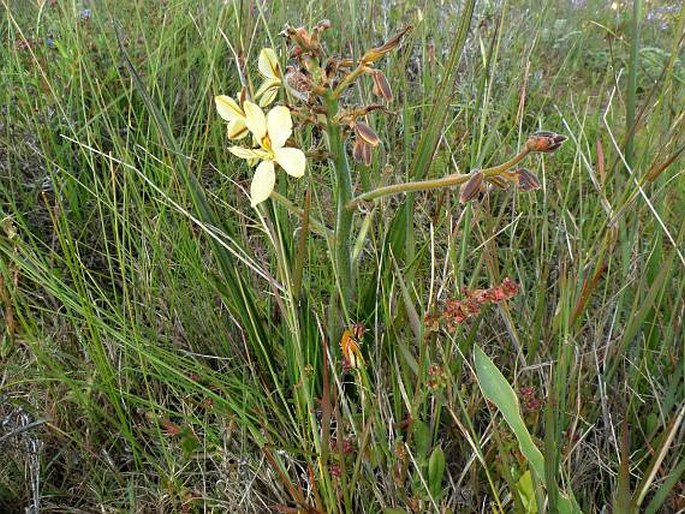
column 351, row 77
column 343, row 195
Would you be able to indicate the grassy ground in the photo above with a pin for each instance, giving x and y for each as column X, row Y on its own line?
column 156, row 355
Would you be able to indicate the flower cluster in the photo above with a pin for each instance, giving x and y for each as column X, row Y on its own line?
column 436, row 377
column 313, row 77
column 456, row 311
column 270, row 131
column 313, row 80
column 528, row 396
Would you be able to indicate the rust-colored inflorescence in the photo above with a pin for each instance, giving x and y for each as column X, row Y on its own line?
column 458, row 310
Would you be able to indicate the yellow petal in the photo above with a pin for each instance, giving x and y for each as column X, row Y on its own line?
column 279, row 124
column 268, row 97
column 255, row 120
column 267, row 91
column 292, row 160
column 245, row 153
column 262, row 182
column 227, row 108
column 237, row 129
column 268, row 64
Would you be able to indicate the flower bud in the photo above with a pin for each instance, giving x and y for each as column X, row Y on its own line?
column 472, row 188
column 366, row 133
column 544, row 141
column 526, row 181
column 381, row 87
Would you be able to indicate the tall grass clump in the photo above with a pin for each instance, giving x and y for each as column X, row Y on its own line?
column 341, row 257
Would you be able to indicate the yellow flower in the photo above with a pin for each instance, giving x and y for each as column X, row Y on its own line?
column 229, row 110
column 270, row 69
column 271, row 133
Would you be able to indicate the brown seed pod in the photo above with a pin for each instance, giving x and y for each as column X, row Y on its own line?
column 366, row 133
column 381, row 87
column 472, row 188
column 526, row 180
column 545, row 141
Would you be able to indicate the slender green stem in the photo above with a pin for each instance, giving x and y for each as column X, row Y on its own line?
column 316, row 225
column 343, row 195
column 422, row 185
column 349, row 79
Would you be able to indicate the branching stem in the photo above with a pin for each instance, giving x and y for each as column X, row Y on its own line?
column 422, row 185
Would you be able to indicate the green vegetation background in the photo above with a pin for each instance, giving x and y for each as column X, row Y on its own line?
column 153, row 358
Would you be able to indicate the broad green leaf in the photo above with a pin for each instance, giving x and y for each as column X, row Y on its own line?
column 496, row 389
column 436, row 470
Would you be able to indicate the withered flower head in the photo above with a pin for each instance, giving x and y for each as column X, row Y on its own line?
column 376, row 53
column 526, row 180
column 366, row 133
column 544, row 141
column 298, row 83
column 381, row 87
column 472, row 188
column 303, row 39
column 324, row 24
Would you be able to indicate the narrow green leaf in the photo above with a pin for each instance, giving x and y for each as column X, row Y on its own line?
column 662, row 493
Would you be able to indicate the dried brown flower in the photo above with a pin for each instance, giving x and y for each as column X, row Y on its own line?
column 361, row 152
column 298, row 83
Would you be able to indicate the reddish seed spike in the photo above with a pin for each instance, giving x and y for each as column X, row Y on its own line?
column 600, row 161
